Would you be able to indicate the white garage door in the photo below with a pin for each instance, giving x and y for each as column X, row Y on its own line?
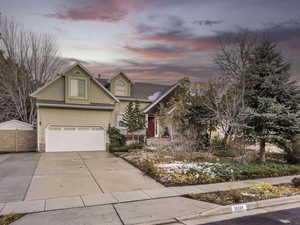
column 67, row 138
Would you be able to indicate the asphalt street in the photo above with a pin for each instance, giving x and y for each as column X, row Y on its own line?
column 289, row 216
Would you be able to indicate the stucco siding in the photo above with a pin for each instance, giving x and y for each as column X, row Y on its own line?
column 70, row 117
column 55, row 91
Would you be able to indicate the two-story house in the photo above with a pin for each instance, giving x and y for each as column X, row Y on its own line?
column 75, row 109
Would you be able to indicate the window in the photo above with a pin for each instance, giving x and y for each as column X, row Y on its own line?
column 78, row 88
column 120, row 122
column 120, row 88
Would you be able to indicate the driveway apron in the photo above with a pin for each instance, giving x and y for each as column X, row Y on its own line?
column 16, row 171
column 69, row 174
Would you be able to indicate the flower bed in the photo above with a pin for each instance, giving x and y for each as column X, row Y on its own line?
column 261, row 191
column 8, row 219
column 172, row 171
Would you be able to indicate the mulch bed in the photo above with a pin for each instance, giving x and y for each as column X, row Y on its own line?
column 8, row 219
column 262, row 191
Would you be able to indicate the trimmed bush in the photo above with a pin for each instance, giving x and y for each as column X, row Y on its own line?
column 113, row 148
column 115, row 137
column 125, row 148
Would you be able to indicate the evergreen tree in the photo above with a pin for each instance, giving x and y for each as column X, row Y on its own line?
column 133, row 118
column 139, row 117
column 272, row 100
column 128, row 118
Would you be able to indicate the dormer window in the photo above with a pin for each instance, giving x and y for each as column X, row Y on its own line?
column 78, row 88
column 120, row 88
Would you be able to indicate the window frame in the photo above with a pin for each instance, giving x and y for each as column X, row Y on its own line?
column 119, row 119
column 70, row 87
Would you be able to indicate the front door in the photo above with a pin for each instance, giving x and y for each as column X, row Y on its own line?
column 151, row 127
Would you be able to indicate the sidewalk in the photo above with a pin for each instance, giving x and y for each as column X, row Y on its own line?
column 125, row 197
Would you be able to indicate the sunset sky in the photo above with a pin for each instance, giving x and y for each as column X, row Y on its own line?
column 156, row 40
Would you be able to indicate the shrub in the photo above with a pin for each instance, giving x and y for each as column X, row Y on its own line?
column 296, row 182
column 218, row 149
column 114, row 148
column 115, row 137
column 125, row 148
column 149, row 167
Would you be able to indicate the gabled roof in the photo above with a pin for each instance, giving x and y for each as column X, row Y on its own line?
column 15, row 125
column 140, row 90
column 165, row 94
column 123, row 75
column 68, row 69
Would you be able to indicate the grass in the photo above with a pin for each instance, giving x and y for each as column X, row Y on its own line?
column 261, row 191
column 8, row 219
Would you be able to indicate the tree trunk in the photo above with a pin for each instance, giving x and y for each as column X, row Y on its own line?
column 262, row 150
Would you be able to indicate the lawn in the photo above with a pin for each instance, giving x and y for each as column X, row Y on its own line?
column 204, row 168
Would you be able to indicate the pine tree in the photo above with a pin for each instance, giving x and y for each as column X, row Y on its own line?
column 128, row 118
column 133, row 118
column 272, row 100
column 139, row 117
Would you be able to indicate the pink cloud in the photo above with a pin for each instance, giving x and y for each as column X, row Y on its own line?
column 159, row 52
column 107, row 11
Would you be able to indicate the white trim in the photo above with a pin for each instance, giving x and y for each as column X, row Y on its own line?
column 74, row 106
column 156, row 127
column 160, row 98
column 171, row 111
column 133, row 99
column 70, row 78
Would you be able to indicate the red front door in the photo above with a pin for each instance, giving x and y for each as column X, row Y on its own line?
column 151, row 127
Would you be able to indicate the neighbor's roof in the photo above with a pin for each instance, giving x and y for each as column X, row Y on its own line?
column 15, row 125
column 140, row 90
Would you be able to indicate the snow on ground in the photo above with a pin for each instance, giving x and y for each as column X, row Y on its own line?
column 183, row 167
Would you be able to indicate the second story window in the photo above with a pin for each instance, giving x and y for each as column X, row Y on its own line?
column 78, row 88
column 120, row 88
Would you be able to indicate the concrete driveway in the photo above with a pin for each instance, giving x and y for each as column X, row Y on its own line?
column 84, row 173
column 16, row 171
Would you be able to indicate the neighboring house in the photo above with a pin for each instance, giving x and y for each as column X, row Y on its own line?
column 15, row 125
column 75, row 109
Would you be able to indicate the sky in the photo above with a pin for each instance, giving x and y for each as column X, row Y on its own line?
column 157, row 41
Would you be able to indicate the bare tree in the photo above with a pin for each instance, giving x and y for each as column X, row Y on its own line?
column 226, row 94
column 27, row 61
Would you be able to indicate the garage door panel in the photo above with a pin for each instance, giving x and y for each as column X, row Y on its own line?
column 75, row 139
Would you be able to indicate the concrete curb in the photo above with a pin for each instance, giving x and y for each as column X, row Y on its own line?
column 222, row 210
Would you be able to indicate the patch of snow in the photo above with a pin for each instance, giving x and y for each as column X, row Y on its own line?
column 183, row 167
column 154, row 96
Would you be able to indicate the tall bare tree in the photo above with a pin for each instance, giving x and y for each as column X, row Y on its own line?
column 28, row 61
